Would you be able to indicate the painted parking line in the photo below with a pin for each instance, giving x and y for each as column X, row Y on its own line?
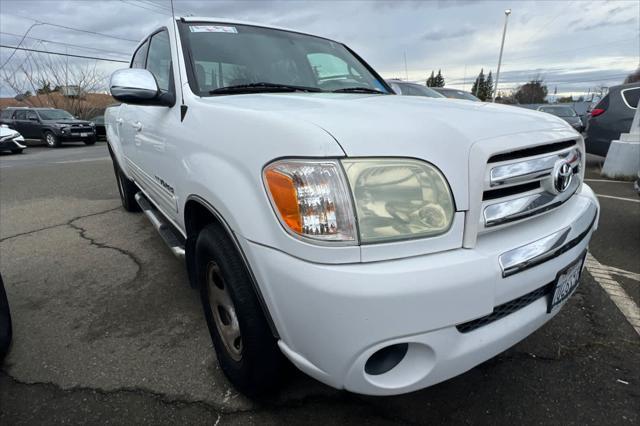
column 602, row 274
column 82, row 160
column 606, row 180
column 631, row 200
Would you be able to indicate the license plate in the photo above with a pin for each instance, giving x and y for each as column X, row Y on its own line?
column 566, row 282
column 84, row 135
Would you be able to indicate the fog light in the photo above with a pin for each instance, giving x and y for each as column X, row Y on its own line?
column 385, row 359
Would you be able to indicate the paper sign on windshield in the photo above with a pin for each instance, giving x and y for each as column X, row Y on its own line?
column 212, row 29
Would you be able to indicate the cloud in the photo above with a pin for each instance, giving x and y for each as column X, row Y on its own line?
column 606, row 24
column 459, row 37
column 445, row 34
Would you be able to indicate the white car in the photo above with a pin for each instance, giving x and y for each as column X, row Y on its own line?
column 382, row 243
column 11, row 140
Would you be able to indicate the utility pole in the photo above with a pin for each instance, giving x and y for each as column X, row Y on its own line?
column 406, row 70
column 464, row 80
column 507, row 12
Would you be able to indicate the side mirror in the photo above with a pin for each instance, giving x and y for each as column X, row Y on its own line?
column 32, row 118
column 138, row 87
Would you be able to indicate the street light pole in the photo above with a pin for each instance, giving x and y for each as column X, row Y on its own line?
column 507, row 12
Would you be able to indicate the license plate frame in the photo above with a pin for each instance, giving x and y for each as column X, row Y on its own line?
column 84, row 135
column 566, row 282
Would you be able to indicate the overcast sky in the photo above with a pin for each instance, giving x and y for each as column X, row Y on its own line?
column 574, row 45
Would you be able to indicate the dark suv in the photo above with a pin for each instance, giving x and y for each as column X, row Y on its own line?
column 54, row 126
column 610, row 117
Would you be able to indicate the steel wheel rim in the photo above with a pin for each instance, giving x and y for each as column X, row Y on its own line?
column 224, row 312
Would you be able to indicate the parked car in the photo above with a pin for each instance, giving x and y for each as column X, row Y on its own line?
column 101, row 132
column 381, row 244
column 5, row 322
column 412, row 89
column 10, row 140
column 565, row 112
column 456, row 94
column 53, row 126
column 611, row 117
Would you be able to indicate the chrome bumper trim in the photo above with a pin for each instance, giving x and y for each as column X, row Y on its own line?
column 539, row 251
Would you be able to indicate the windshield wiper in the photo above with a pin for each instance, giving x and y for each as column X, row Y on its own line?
column 358, row 90
column 262, row 87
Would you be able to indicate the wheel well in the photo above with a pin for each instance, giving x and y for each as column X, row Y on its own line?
column 196, row 217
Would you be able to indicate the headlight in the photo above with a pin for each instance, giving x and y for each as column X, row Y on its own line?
column 312, row 199
column 92, row 124
column 399, row 199
column 395, row 199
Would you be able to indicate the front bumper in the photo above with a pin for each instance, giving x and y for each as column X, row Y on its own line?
column 69, row 136
column 332, row 318
column 12, row 144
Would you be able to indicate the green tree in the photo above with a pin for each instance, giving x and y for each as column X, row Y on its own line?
column 479, row 85
column 431, row 80
column 488, row 87
column 439, row 80
column 532, row 92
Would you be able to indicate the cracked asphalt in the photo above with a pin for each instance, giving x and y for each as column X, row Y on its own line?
column 107, row 330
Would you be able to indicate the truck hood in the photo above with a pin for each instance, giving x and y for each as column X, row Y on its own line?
column 438, row 130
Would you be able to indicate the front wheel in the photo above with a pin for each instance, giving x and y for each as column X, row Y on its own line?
column 51, row 140
column 245, row 347
column 127, row 189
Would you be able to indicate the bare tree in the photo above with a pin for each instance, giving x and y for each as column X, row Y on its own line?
column 56, row 82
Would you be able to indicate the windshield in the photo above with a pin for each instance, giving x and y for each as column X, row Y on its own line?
column 459, row 94
column 412, row 89
column 54, row 114
column 236, row 55
column 559, row 111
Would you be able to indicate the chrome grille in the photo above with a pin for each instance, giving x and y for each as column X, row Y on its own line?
column 520, row 185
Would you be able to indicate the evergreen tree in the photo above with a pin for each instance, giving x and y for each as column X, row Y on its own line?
column 439, row 80
column 488, row 87
column 431, row 80
column 478, row 86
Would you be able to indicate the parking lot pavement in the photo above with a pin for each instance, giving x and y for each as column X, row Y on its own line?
column 106, row 328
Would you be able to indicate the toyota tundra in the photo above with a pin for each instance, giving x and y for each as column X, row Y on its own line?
column 380, row 243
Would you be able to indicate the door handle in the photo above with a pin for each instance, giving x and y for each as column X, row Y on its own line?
column 137, row 125
column 119, row 121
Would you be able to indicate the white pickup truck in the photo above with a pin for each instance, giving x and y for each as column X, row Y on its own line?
column 381, row 243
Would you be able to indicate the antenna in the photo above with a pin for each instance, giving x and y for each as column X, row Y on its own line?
column 183, row 107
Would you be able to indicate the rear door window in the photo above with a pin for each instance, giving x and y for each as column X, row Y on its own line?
column 631, row 96
column 21, row 115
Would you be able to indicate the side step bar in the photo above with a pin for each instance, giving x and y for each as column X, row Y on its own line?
column 174, row 241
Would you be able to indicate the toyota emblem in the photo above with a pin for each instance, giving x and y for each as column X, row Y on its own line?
column 563, row 173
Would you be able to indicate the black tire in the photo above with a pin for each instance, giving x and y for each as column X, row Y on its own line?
column 90, row 141
column 51, row 140
column 262, row 366
column 127, row 189
column 17, row 151
column 5, row 323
